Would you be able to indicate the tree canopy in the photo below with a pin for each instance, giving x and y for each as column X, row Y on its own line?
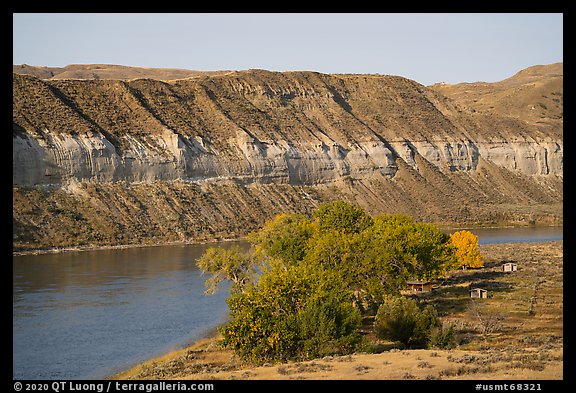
column 302, row 289
column 466, row 249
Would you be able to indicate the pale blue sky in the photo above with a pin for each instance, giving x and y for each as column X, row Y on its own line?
column 427, row 48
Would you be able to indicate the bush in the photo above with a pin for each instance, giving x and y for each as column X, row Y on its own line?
column 400, row 319
column 292, row 314
column 328, row 325
column 443, row 338
column 263, row 324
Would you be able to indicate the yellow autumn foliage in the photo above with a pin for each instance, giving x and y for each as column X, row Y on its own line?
column 466, row 249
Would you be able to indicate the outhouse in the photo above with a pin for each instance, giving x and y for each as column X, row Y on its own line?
column 479, row 293
column 509, row 267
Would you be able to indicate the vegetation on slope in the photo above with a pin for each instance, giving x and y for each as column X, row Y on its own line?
column 304, row 289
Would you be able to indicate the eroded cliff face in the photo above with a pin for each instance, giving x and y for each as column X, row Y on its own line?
column 169, row 156
column 341, row 135
column 298, row 128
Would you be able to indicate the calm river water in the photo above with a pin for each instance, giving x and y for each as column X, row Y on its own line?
column 88, row 314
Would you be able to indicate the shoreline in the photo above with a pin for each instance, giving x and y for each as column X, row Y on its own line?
column 204, row 338
column 207, row 339
column 58, row 250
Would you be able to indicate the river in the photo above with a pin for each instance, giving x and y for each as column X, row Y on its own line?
column 89, row 314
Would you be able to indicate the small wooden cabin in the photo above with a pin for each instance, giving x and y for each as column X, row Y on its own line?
column 419, row 286
column 509, row 267
column 479, row 293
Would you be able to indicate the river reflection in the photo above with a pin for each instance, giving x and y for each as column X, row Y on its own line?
column 517, row 234
column 86, row 314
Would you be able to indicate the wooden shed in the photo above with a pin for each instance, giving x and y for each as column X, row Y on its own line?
column 479, row 293
column 419, row 286
column 509, row 267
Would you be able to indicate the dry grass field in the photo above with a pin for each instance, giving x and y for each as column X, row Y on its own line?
column 515, row 334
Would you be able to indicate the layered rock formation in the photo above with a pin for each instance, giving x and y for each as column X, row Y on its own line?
column 386, row 142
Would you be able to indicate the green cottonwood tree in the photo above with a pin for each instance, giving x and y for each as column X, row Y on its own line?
column 284, row 237
column 342, row 216
column 311, row 270
column 227, row 264
column 292, row 313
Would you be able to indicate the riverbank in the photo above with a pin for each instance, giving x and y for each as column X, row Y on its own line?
column 517, row 333
column 57, row 250
column 54, row 250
